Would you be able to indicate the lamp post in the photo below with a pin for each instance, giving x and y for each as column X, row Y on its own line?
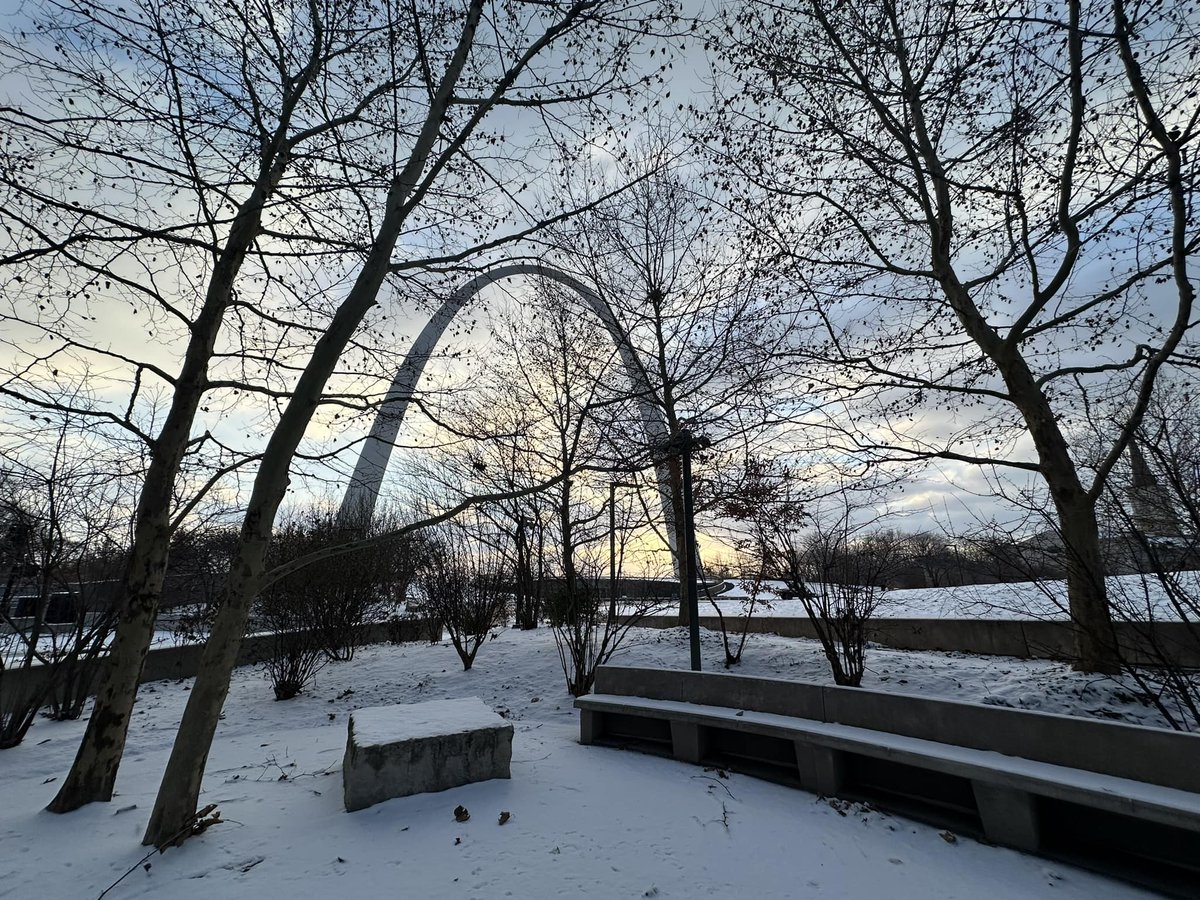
column 612, row 544
column 683, row 443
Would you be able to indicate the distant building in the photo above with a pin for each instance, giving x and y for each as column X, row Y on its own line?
column 1152, row 511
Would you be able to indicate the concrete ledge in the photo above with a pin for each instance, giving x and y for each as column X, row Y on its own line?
column 1122, row 799
column 396, row 751
column 184, row 661
column 1153, row 755
column 1025, row 639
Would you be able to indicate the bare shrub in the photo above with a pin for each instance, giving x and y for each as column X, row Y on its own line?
column 462, row 584
column 838, row 570
column 61, row 547
column 762, row 505
column 294, row 656
column 289, row 611
column 199, row 560
column 588, row 631
column 77, row 646
column 734, row 644
column 334, row 600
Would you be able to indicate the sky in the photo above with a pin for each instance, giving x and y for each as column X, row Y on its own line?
column 949, row 495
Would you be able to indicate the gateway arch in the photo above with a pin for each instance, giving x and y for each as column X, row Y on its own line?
column 363, row 490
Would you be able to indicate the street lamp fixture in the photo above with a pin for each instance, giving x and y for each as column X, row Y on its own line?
column 612, row 543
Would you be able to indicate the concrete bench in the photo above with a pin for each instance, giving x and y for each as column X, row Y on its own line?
column 1131, row 809
column 395, row 751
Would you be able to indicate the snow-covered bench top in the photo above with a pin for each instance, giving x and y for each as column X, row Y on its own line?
column 375, row 725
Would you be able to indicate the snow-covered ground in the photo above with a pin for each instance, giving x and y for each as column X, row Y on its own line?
column 1016, row 600
column 585, row 821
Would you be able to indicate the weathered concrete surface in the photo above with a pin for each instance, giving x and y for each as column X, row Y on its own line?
column 1153, row 755
column 1009, row 816
column 395, row 751
column 1142, row 643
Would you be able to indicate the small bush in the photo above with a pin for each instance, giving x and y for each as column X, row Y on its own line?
column 589, row 629
column 462, row 587
column 838, row 572
column 295, row 652
column 318, row 613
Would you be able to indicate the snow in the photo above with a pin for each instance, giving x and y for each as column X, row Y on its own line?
column 378, row 725
column 1014, row 600
column 585, row 821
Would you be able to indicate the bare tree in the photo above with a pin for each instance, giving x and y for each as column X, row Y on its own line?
column 546, row 403
column 988, row 207
column 552, row 403
column 145, row 206
column 760, row 506
column 64, row 498
column 693, row 302
column 838, row 568
column 472, row 65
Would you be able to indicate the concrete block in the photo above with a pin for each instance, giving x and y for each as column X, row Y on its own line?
column 828, row 771
column 1009, row 816
column 806, row 765
column 687, row 741
column 591, row 725
column 820, row 768
column 395, row 751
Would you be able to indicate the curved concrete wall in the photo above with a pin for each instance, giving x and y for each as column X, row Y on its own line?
column 1153, row 755
column 183, row 662
column 1027, row 639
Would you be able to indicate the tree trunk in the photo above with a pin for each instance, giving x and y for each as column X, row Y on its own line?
column 1095, row 638
column 180, row 789
column 94, row 772
column 1087, row 595
column 185, row 769
column 179, row 793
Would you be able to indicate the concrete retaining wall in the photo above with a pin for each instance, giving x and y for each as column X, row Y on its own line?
column 1027, row 639
column 183, row 662
column 1152, row 755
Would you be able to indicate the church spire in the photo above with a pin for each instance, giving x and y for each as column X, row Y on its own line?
column 1153, row 513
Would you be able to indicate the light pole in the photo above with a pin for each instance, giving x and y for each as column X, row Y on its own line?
column 612, row 544
column 683, row 443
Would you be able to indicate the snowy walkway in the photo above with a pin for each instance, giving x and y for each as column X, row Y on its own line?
column 585, row 821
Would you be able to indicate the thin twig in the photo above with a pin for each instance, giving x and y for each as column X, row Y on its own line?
column 196, row 819
column 718, row 781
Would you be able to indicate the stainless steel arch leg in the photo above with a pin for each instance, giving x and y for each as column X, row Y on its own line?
column 362, row 493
